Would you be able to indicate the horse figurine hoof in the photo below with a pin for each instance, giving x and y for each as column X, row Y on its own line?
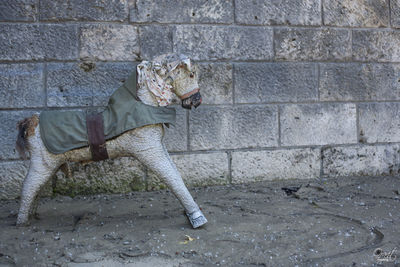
column 197, row 218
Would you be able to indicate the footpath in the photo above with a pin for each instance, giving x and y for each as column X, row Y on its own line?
column 327, row 222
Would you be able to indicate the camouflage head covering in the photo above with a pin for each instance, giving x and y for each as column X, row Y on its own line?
column 156, row 76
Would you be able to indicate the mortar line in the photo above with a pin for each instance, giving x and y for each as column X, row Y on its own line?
column 234, row 11
column 38, row 11
column 276, row 148
column 260, row 149
column 79, row 32
column 233, row 85
column 188, row 131
column 390, row 13
column 225, row 25
column 322, row 13
column 173, row 32
column 273, row 46
column 261, row 104
column 310, row 102
column 229, row 154
column 146, row 177
column 269, row 61
column 45, row 84
column 351, row 46
column 279, row 126
column 357, row 123
column 129, row 11
column 232, row 61
column 318, row 82
column 140, row 44
column 321, row 163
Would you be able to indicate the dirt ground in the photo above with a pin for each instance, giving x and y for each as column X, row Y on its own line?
column 332, row 222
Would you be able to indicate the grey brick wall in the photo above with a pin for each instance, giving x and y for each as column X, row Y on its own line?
column 292, row 88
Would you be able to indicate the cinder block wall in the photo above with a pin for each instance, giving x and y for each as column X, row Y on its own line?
column 292, row 89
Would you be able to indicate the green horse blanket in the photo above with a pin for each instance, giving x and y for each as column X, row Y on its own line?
column 62, row 131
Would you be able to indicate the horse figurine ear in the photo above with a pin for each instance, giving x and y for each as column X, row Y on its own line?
column 186, row 62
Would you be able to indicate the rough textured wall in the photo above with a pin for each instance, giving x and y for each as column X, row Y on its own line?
column 292, row 88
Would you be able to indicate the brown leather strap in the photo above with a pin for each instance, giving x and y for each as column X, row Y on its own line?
column 97, row 142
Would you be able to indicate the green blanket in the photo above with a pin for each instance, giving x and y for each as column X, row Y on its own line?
column 62, row 131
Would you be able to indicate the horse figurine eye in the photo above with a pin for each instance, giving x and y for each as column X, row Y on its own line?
column 191, row 75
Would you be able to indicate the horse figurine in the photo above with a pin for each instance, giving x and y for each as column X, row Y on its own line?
column 149, row 90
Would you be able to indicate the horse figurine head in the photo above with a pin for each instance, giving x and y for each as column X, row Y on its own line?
column 169, row 74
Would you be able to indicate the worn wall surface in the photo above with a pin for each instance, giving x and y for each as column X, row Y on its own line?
column 292, row 88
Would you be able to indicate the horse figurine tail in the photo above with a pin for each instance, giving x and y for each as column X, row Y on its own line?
column 26, row 128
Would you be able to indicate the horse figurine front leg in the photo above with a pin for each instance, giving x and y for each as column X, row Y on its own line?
column 148, row 147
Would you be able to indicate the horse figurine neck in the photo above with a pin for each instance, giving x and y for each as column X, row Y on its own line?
column 146, row 96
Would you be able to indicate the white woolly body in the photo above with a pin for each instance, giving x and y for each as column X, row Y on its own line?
column 144, row 143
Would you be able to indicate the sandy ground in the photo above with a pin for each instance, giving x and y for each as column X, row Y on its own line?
column 333, row 222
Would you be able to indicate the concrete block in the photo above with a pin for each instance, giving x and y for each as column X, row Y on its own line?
column 38, row 42
column 215, row 82
column 284, row 12
column 223, row 42
column 196, row 170
column 229, row 127
column 176, row 135
column 178, row 11
column 276, row 82
column 361, row 160
column 12, row 174
column 395, row 13
column 59, row 10
column 254, row 166
column 356, row 13
column 109, row 42
column 357, row 82
column 120, row 175
column 318, row 124
column 155, row 40
column 8, row 132
column 18, row 10
column 382, row 46
column 312, row 44
column 22, row 86
column 379, row 122
column 84, row 84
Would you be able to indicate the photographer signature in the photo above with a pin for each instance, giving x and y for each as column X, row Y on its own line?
column 381, row 255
